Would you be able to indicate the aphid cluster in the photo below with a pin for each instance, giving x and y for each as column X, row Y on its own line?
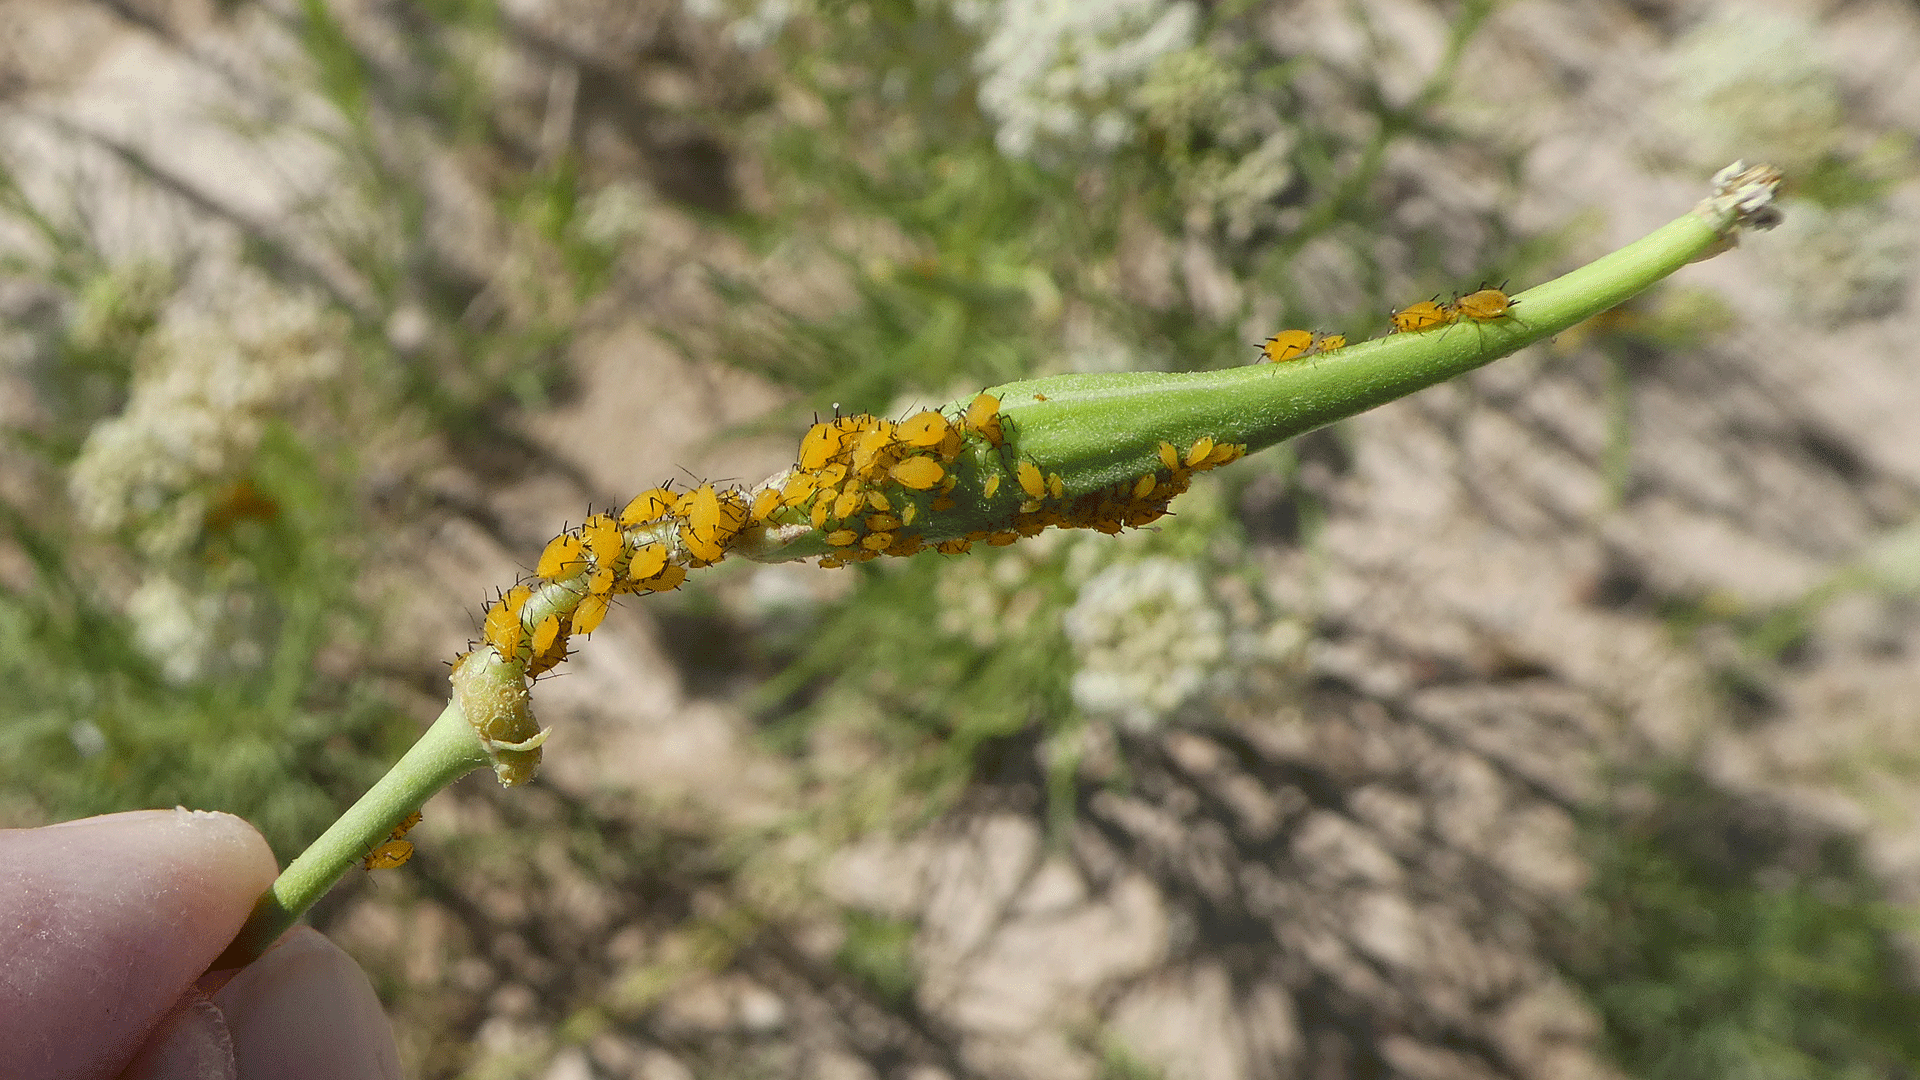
column 865, row 480
column 868, row 485
column 1293, row 344
column 1130, row 503
column 1481, row 305
column 394, row 850
column 647, row 547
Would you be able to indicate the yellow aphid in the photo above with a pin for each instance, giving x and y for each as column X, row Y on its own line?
column 765, row 503
column 869, row 446
column 1143, row 487
column 503, row 630
column 592, row 609
column 734, row 511
column 1201, row 448
column 943, row 504
column 908, row 513
column 882, row 523
column 954, row 442
column 849, row 503
column 832, row 475
column 821, row 442
column 987, row 490
column 515, row 598
column 1484, row 305
column 924, row 430
column 903, row 546
column 1030, row 480
column 919, row 473
column 1040, row 397
column 822, row 509
column 563, row 557
column 1223, row 454
column 1170, row 456
column 668, row 580
column 828, row 562
column 648, row 561
column 1003, row 538
column 877, row 541
column 388, row 855
column 983, row 417
column 1056, row 487
column 954, row 547
column 605, row 543
column 877, row 500
column 1420, row 316
column 545, row 634
column 1328, row 342
column 406, row 826
column 842, row 537
column 650, row 505
column 1286, row 345
column 797, row 489
column 545, row 661
column 708, row 522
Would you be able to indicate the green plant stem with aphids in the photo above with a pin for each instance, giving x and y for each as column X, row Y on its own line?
column 1088, row 450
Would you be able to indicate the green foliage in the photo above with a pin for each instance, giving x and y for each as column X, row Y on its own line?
column 100, row 720
column 95, row 726
column 878, row 952
column 1720, row 944
column 1118, row 1062
column 939, row 700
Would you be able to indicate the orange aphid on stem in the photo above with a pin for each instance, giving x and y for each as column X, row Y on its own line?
column 1421, row 316
column 1030, row 479
column 588, row 614
column 821, row 442
column 983, row 417
column 1484, row 305
column 648, row 561
column 549, row 644
column 765, row 503
column 1198, row 453
column 869, row 447
column 1286, row 345
column 503, row 629
column 667, row 580
column 388, row 855
column 919, row 473
column 564, row 557
column 923, row 430
column 650, row 505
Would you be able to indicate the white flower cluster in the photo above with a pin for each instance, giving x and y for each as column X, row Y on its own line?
column 206, row 385
column 1067, row 70
column 182, row 630
column 1149, row 636
column 208, row 380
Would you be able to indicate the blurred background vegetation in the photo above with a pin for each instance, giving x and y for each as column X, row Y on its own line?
column 1556, row 723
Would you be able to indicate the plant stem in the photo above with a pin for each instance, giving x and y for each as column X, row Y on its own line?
column 1087, row 432
column 448, row 750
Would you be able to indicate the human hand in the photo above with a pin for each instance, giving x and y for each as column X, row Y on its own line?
column 106, row 925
